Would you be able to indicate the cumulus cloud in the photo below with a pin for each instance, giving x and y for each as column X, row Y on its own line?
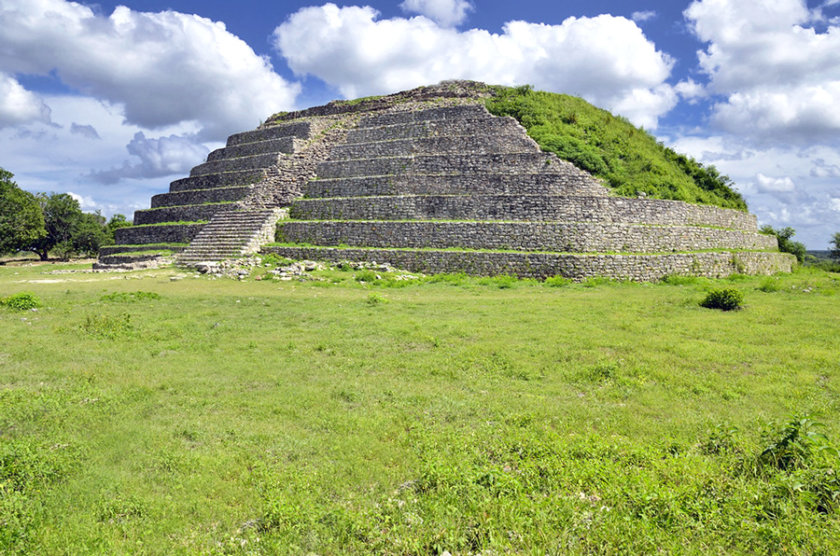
column 769, row 184
column 85, row 203
column 642, row 16
column 835, row 204
column 778, row 181
column 780, row 77
column 164, row 156
column 606, row 59
column 164, row 68
column 19, row 106
column 447, row 13
column 86, row 131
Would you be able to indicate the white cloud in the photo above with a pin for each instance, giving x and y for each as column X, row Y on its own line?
column 643, row 16
column 447, row 13
column 835, row 204
column 606, row 59
column 165, row 68
column 85, row 203
column 778, row 182
column 164, row 156
column 780, row 77
column 19, row 106
column 769, row 184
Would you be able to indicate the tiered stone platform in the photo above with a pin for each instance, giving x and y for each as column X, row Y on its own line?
column 206, row 216
column 439, row 186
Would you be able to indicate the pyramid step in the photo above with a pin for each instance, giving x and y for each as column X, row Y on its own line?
column 487, row 125
column 286, row 145
column 167, row 233
column 460, row 112
column 186, row 213
column 300, row 130
column 573, row 182
column 200, row 196
column 221, row 179
column 507, row 163
column 576, row 237
column 453, row 144
column 111, row 249
column 529, row 208
column 241, row 164
column 638, row 267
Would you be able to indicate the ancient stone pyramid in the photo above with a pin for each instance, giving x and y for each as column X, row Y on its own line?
column 430, row 181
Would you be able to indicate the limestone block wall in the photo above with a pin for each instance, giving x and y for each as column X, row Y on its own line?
column 522, row 207
column 176, row 233
column 477, row 183
column 544, row 265
column 472, row 126
column 527, row 236
column 188, row 213
column 200, row 196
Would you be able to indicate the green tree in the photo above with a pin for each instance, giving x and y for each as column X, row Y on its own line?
column 62, row 215
column 21, row 219
column 783, row 235
column 834, row 252
column 115, row 223
column 88, row 234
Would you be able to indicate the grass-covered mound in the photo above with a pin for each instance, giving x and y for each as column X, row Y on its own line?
column 627, row 158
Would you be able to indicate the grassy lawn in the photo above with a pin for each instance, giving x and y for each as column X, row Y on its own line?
column 144, row 415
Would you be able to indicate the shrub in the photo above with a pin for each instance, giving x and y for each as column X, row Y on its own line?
column 726, row 299
column 21, row 302
column 107, row 326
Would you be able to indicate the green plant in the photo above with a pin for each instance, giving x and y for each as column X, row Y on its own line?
column 21, row 301
column 130, row 296
column 107, row 326
column 794, row 444
column 557, row 281
column 786, row 244
column 368, row 276
column 726, row 299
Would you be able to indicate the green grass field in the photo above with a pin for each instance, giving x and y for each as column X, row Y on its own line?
column 361, row 415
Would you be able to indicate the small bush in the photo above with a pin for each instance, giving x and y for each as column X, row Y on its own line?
column 769, row 285
column 557, row 281
column 107, row 326
column 366, row 276
column 21, row 302
column 727, row 299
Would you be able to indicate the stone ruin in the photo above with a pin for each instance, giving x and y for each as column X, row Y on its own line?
column 429, row 181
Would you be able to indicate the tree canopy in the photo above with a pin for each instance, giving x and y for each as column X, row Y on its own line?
column 21, row 219
column 44, row 223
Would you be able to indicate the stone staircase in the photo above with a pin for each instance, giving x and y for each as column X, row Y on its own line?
column 232, row 234
column 453, row 188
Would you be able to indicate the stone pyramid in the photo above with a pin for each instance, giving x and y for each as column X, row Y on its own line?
column 430, row 181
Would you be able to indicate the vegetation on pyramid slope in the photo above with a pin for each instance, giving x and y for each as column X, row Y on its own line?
column 627, row 158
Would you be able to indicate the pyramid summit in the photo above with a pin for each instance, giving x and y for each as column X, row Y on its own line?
column 438, row 179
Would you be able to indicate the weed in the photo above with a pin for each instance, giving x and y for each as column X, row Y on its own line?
column 726, row 299
column 375, row 299
column 129, row 297
column 21, row 302
column 769, row 285
column 107, row 326
column 557, row 281
column 367, row 276
column 679, row 280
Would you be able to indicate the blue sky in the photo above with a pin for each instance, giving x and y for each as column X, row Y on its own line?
column 111, row 101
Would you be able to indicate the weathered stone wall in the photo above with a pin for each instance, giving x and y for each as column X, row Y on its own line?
column 435, row 128
column 200, row 196
column 174, row 233
column 474, row 144
column 479, row 183
column 228, row 179
column 544, row 265
column 189, row 213
column 528, row 236
column 547, row 208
